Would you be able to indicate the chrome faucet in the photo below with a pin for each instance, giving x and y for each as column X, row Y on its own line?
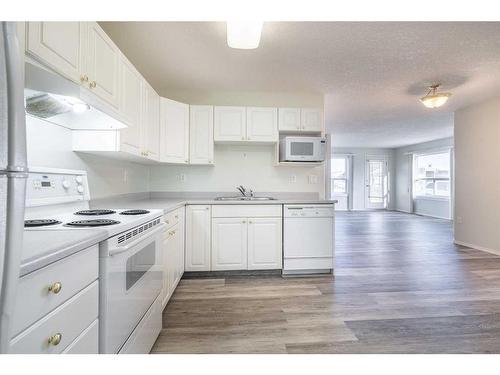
column 245, row 192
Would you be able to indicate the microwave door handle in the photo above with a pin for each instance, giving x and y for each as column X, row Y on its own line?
column 122, row 249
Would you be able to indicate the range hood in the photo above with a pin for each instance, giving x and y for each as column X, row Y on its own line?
column 53, row 98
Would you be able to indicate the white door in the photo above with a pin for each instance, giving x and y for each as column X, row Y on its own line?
column 130, row 107
column 174, row 131
column 59, row 45
column 264, row 243
column 376, row 184
column 198, row 234
column 310, row 119
column 229, row 123
column 229, row 244
column 201, row 134
column 289, row 119
column 262, row 124
column 102, row 65
column 151, row 122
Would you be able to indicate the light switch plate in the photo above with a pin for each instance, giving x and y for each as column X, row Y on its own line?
column 313, row 179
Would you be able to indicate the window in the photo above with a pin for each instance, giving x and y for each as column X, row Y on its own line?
column 432, row 175
column 339, row 175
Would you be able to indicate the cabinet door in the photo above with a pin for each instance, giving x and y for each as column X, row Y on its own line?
column 180, row 242
column 201, row 134
column 198, row 238
column 167, row 268
column 264, row 243
column 103, row 65
column 289, row 119
column 174, row 131
column 58, row 45
column 151, row 122
column 310, row 119
column 130, row 107
column 229, row 124
column 262, row 124
column 229, row 244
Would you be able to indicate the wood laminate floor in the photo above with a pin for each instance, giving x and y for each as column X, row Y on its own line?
column 400, row 286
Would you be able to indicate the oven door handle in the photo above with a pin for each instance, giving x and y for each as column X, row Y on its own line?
column 121, row 249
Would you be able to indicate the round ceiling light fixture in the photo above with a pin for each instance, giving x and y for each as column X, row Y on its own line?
column 434, row 99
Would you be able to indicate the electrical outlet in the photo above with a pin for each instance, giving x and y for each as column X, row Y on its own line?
column 313, row 179
column 125, row 175
column 181, row 177
column 459, row 220
column 293, row 179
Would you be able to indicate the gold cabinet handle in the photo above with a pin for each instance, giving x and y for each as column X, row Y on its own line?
column 84, row 78
column 55, row 288
column 243, row 221
column 166, row 221
column 249, row 221
column 92, row 84
column 55, row 339
column 207, row 208
column 176, row 216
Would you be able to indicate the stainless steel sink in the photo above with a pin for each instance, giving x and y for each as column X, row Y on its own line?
column 241, row 198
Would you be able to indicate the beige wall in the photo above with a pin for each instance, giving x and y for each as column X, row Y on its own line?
column 477, row 175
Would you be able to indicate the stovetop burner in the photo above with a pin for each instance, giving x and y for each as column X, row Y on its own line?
column 134, row 212
column 40, row 223
column 95, row 212
column 92, row 223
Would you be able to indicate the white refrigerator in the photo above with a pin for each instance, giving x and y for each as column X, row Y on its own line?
column 13, row 173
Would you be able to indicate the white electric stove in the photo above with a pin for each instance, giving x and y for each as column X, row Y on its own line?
column 130, row 265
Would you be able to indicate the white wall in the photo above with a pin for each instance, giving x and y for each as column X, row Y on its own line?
column 477, row 175
column 359, row 156
column 403, row 179
column 50, row 145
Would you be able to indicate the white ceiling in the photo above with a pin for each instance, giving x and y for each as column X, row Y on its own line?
column 371, row 73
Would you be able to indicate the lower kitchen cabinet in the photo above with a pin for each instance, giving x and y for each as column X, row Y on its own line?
column 264, row 243
column 198, row 221
column 229, row 244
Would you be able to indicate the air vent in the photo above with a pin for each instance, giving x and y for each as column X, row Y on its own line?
column 136, row 231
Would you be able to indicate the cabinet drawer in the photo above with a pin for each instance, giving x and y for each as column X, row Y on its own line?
column 36, row 300
column 173, row 217
column 87, row 342
column 69, row 320
column 256, row 210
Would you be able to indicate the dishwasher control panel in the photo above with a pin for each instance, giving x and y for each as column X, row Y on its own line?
column 318, row 210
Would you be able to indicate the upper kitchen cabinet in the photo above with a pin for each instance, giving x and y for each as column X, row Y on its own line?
column 130, row 107
column 289, row 119
column 102, row 64
column 201, row 134
column 174, row 131
column 59, row 45
column 310, row 120
column 150, row 122
column 229, row 124
column 262, row 124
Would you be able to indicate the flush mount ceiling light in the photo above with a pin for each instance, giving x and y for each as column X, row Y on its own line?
column 434, row 99
column 244, row 34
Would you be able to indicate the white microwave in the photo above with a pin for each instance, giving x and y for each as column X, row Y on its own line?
column 302, row 149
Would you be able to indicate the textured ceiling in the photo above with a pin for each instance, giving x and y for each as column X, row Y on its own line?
column 371, row 73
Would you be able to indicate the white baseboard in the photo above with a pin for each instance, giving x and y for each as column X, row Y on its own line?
column 477, row 247
column 405, row 211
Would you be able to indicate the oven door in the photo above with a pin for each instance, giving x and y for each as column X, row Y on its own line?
column 131, row 279
column 301, row 149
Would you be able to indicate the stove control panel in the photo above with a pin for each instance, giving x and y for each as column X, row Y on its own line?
column 54, row 186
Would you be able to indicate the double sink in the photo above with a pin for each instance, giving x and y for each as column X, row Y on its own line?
column 243, row 198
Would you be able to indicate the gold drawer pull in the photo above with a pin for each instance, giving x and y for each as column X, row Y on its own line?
column 84, row 78
column 93, row 84
column 176, row 216
column 55, row 339
column 55, row 288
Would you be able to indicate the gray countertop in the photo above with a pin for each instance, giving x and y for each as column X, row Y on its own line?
column 43, row 247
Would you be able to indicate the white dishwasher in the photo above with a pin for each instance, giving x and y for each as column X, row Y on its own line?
column 308, row 238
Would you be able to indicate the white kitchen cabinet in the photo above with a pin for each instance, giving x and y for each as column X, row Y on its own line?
column 174, row 131
column 150, row 122
column 130, row 107
column 229, row 124
column 289, row 119
column 201, row 134
column 311, row 120
column 198, row 234
column 58, row 45
column 169, row 255
column 264, row 243
column 262, row 124
column 179, row 247
column 229, row 244
column 102, row 65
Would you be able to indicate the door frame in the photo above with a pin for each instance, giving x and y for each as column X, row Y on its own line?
column 385, row 159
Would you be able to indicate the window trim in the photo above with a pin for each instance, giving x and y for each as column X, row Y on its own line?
column 346, row 178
